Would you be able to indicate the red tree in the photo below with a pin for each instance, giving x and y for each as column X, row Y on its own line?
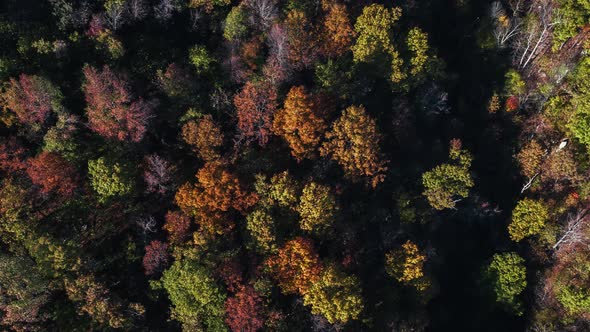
column 11, row 156
column 156, row 174
column 178, row 226
column 52, row 173
column 230, row 272
column 243, row 311
column 255, row 105
column 156, row 257
column 112, row 112
column 32, row 98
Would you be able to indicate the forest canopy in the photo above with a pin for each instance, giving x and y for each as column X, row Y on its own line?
column 294, row 165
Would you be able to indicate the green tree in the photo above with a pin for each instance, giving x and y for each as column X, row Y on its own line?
column 109, row 178
column 201, row 59
column 507, row 275
column 514, row 85
column 235, row 26
column 444, row 183
column 528, row 218
column 335, row 296
column 198, row 303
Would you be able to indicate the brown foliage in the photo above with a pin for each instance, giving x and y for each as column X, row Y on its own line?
column 177, row 225
column 12, row 156
column 530, row 158
column 204, row 136
column 296, row 266
column 303, row 43
column 337, row 33
column 255, row 106
column 353, row 142
column 299, row 124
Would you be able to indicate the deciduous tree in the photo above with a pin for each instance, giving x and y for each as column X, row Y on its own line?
column 337, row 31
column 53, row 174
column 255, row 106
column 204, row 136
column 507, row 274
column 177, row 225
column 155, row 258
column 299, row 123
column 244, row 311
column 528, row 218
column 157, row 174
column 353, row 142
column 317, row 208
column 109, row 178
column 405, row 264
column 112, row 112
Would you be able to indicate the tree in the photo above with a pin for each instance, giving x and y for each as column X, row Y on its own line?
column 244, row 311
column 418, row 46
column 176, row 82
column 112, row 112
column 353, row 142
column 235, row 27
column 32, row 98
column 255, row 106
column 207, row 5
column 201, row 59
column 53, row 174
column 109, row 178
column 177, row 225
column 337, row 32
column 115, row 11
column 296, row 266
column 530, row 158
column 507, row 275
column 155, row 258
column 373, row 27
column 335, row 296
column 445, row 182
column 299, row 123
column 261, row 226
column 282, row 190
column 198, row 303
column 317, row 208
column 277, row 68
column 157, row 174
column 96, row 300
column 303, row 49
column 12, row 155
column 528, row 218
column 204, row 136
column 405, row 264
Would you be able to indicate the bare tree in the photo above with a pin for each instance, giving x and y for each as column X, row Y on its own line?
column 536, row 35
column 264, row 12
column 138, row 9
column 146, row 224
column 505, row 27
column 164, row 9
column 157, row 174
column 114, row 14
column 576, row 230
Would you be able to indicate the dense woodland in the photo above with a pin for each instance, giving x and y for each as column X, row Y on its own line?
column 295, row 165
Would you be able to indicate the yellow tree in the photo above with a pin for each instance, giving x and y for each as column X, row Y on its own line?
column 406, row 265
column 374, row 27
column 299, row 123
column 335, row 296
column 317, row 208
column 353, row 142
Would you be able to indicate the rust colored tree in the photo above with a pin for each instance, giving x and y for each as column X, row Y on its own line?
column 337, row 32
column 299, row 123
column 204, row 136
column 52, row 173
column 255, row 106
column 112, row 111
column 296, row 266
column 244, row 311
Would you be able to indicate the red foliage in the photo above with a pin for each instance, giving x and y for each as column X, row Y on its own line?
column 156, row 257
column 31, row 98
column 178, row 226
column 230, row 272
column 11, row 156
column 53, row 174
column 156, row 174
column 512, row 103
column 255, row 105
column 111, row 111
column 243, row 311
